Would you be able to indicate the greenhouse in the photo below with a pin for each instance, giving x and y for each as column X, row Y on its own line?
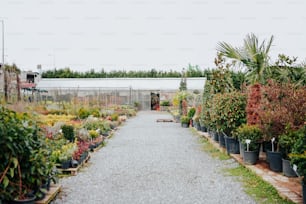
column 147, row 92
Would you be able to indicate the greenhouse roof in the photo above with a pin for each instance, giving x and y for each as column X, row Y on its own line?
column 121, row 83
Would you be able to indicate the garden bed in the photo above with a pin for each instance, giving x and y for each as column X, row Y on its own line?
column 74, row 171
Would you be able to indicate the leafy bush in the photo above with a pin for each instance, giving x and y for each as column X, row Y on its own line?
column 251, row 132
column 25, row 163
column 298, row 155
column 191, row 112
column 93, row 133
column 281, row 105
column 83, row 113
column 114, row 116
column 288, row 139
column 185, row 120
column 68, row 132
column 95, row 112
column 165, row 103
column 229, row 111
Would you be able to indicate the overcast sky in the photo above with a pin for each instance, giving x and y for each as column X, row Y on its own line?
column 143, row 34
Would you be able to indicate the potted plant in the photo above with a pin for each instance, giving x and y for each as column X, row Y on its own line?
column 196, row 122
column 68, row 132
column 249, row 136
column 282, row 104
column 298, row 158
column 25, row 163
column 286, row 142
column 185, row 121
column 190, row 114
column 66, row 154
column 230, row 113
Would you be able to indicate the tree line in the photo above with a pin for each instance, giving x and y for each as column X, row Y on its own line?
column 191, row 71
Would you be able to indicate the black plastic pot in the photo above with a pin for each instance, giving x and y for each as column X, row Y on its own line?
column 66, row 164
column 215, row 136
column 28, row 200
column 185, row 125
column 250, row 157
column 232, row 145
column 203, row 129
column 287, row 168
column 221, row 139
column 275, row 161
column 267, row 146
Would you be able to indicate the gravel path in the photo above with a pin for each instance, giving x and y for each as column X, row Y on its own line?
column 149, row 162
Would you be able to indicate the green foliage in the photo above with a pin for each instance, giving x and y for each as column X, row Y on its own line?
column 288, row 139
column 206, row 105
column 298, row 155
column 24, row 155
column 185, row 120
column 114, row 116
column 97, row 124
column 83, row 113
column 252, row 54
column 221, row 80
column 68, row 132
column 192, row 71
column 95, row 112
column 251, row 132
column 229, row 111
column 284, row 71
column 191, row 112
column 165, row 103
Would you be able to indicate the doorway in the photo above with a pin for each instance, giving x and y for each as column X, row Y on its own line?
column 154, row 101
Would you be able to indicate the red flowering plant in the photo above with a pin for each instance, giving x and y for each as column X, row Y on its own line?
column 282, row 106
column 82, row 148
column 253, row 104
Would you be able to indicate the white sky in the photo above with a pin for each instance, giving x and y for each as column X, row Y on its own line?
column 143, row 34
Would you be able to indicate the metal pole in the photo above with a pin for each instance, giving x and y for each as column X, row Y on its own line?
column 2, row 21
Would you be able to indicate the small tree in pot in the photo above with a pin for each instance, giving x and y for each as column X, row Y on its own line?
column 253, row 134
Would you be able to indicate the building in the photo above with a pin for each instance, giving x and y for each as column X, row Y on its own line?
column 147, row 92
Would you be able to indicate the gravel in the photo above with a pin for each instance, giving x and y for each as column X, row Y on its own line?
column 153, row 162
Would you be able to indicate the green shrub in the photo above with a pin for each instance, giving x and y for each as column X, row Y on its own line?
column 25, row 159
column 114, row 116
column 68, row 132
column 165, row 103
column 185, row 120
column 251, row 132
column 298, row 155
column 95, row 112
column 83, row 113
column 191, row 112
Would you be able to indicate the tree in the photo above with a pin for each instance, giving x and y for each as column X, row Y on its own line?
column 252, row 54
column 284, row 71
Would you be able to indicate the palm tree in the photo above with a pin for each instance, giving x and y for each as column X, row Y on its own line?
column 254, row 56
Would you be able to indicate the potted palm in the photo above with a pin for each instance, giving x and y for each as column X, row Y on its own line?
column 249, row 136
